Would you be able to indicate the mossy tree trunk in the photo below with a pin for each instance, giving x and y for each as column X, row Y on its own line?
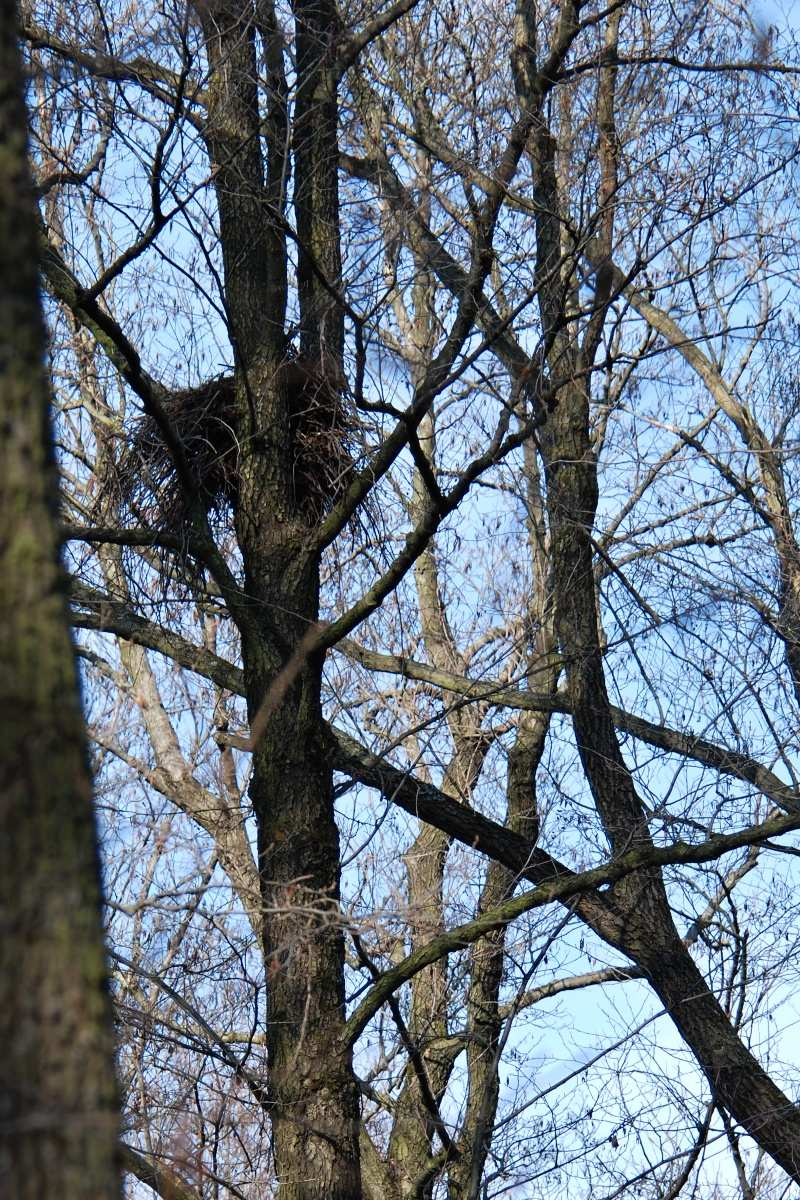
column 58, row 1123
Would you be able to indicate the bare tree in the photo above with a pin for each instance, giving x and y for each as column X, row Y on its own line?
column 412, row 324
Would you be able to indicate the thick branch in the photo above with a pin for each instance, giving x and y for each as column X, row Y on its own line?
column 565, row 890
column 159, row 1178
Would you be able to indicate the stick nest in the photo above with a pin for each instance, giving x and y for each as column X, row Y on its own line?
column 205, row 421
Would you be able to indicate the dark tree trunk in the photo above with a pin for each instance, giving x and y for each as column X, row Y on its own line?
column 58, row 1120
column 314, row 1101
column 315, row 1115
column 647, row 933
column 649, row 937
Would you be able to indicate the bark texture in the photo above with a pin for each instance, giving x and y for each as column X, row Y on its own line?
column 58, row 1123
column 314, row 1105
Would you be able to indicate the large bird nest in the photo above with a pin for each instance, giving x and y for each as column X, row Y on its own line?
column 206, row 422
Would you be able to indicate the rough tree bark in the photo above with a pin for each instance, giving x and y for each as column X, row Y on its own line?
column 313, row 1092
column 58, row 1122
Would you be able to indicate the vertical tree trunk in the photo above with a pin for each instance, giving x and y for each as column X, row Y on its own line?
column 315, row 1116
column 313, row 1092
column 316, row 164
column 58, row 1125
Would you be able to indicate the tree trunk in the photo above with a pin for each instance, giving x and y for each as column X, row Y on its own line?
column 738, row 1082
column 58, row 1122
column 315, row 1116
column 313, row 1092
